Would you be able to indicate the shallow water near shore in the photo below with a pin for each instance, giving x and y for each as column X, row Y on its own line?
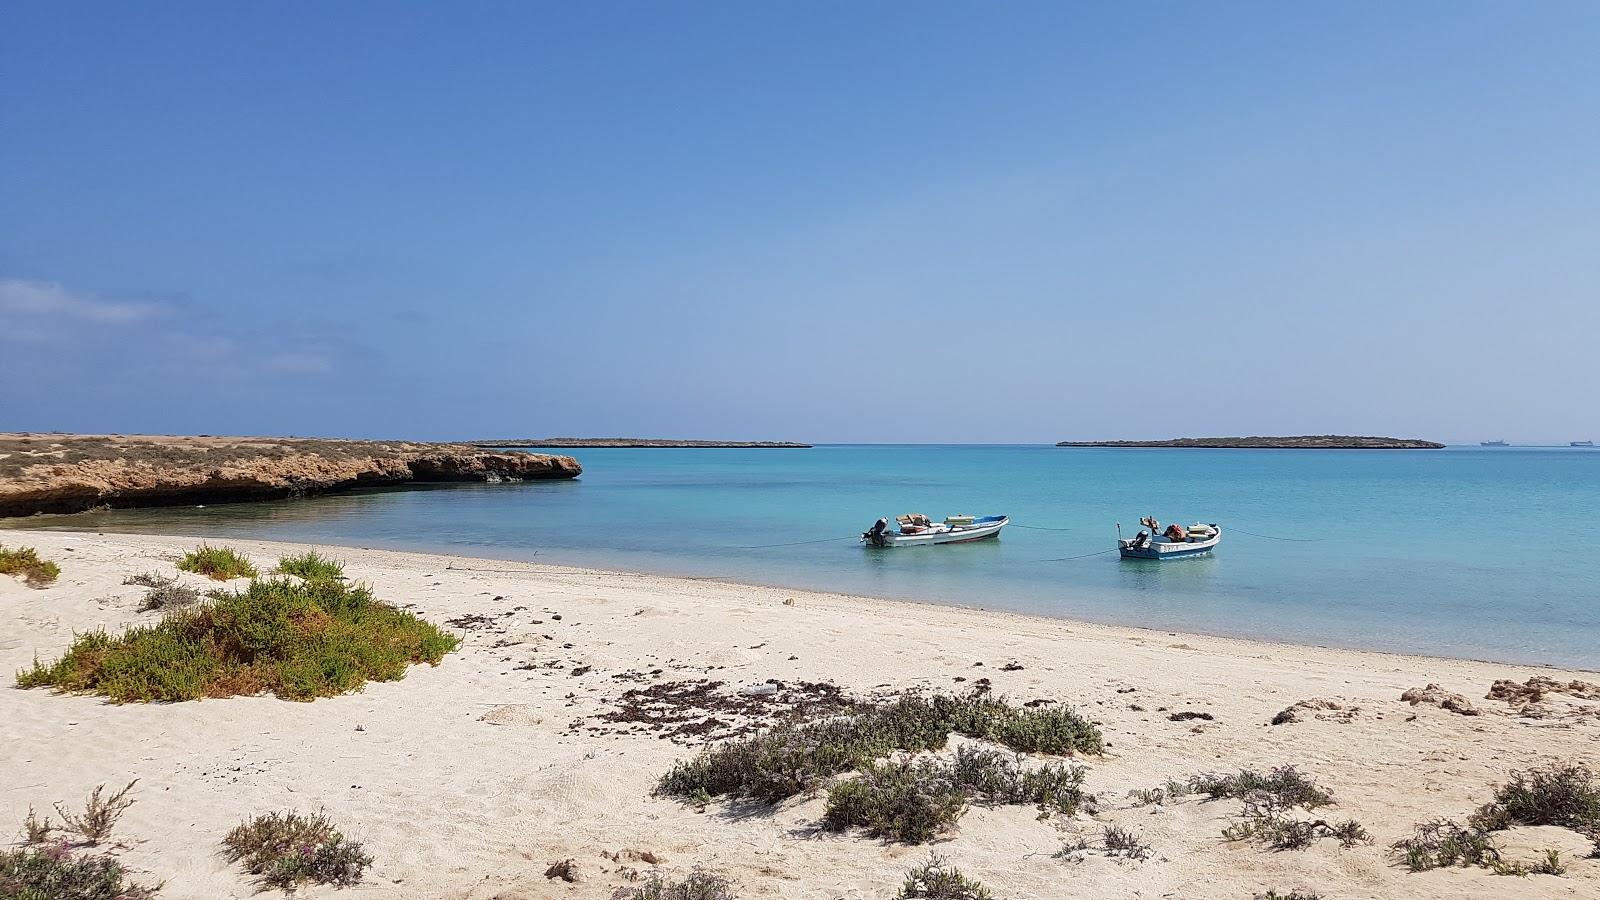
column 1457, row 552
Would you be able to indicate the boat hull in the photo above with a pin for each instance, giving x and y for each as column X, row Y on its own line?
column 980, row 531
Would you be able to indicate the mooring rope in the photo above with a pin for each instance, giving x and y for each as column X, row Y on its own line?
column 1082, row 555
column 847, row 537
column 1037, row 527
column 1273, row 537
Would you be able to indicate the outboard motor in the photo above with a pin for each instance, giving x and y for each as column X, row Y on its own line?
column 875, row 536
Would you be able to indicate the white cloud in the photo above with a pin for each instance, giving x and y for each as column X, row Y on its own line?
column 48, row 300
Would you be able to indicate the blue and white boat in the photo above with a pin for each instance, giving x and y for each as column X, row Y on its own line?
column 1173, row 542
column 917, row 530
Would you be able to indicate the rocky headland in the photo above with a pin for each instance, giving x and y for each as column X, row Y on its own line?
column 574, row 443
column 1301, row 442
column 66, row 473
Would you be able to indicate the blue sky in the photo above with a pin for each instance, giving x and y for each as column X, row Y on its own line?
column 816, row 221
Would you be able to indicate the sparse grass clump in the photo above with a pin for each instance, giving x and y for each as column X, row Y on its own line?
column 99, row 816
column 1567, row 796
column 164, row 591
column 938, row 880
column 697, row 885
column 311, row 566
column 1120, row 841
column 25, row 561
column 217, row 563
column 788, row 759
column 287, row 850
column 1276, row 829
column 1283, row 787
column 296, row 640
column 1292, row 895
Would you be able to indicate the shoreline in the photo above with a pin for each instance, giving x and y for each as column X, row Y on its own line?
column 466, row 781
column 478, row 552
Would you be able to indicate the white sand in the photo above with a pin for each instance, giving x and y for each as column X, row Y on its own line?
column 454, row 806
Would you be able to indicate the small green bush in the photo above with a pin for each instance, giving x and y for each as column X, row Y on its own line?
column 1284, row 787
column 912, row 801
column 1563, row 795
column 1120, row 841
column 286, row 850
column 937, row 880
column 54, row 872
column 311, row 566
column 697, row 885
column 298, row 640
column 786, row 760
column 1442, row 843
column 217, row 563
column 25, row 561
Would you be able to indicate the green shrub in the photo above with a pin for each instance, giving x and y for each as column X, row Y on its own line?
column 786, row 760
column 311, row 566
column 217, row 563
column 912, row 801
column 1443, row 843
column 25, row 561
column 54, row 872
column 1563, row 795
column 1120, row 841
column 937, row 880
column 1284, row 787
column 697, row 885
column 298, row 640
column 287, row 850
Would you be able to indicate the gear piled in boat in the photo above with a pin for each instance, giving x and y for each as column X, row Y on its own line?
column 1169, row 543
column 917, row 530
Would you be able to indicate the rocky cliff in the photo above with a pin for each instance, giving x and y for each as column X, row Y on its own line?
column 60, row 473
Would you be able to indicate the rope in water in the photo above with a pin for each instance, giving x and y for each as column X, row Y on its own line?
column 1082, row 555
column 1037, row 527
column 848, row 537
column 1273, row 537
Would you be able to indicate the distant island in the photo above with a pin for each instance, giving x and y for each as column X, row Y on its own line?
column 568, row 442
column 67, row 473
column 1302, row 442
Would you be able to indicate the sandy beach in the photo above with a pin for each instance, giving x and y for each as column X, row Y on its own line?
column 469, row 779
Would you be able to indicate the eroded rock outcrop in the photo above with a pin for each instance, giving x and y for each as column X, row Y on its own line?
column 56, row 473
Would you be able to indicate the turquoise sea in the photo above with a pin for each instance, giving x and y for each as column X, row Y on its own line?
column 1457, row 552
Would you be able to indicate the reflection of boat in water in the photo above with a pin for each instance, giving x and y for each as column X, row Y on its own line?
column 1170, row 543
column 917, row 530
column 1581, row 444
column 1493, row 444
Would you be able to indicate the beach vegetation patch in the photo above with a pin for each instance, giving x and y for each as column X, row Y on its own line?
column 697, row 885
column 55, row 872
column 936, row 879
column 790, row 758
column 46, row 868
column 298, row 640
column 1564, row 795
column 25, row 561
column 100, row 813
column 311, row 566
column 164, row 591
column 287, row 850
column 1283, row 787
column 217, row 563
column 914, row 800
column 1120, row 841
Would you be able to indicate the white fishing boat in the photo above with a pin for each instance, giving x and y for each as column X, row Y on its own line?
column 1172, row 542
column 917, row 530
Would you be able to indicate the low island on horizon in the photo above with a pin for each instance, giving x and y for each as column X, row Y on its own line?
column 1300, row 442
column 578, row 443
